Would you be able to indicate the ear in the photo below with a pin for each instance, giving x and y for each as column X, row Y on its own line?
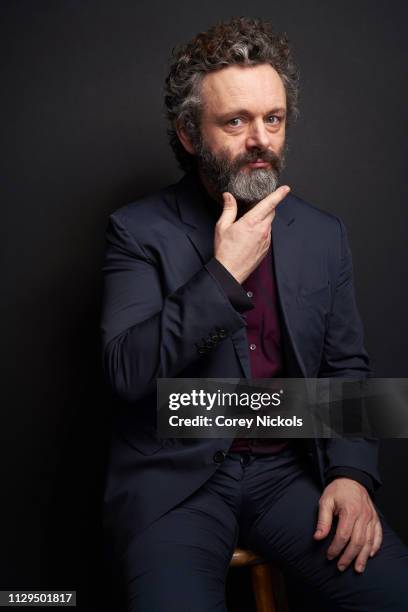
column 184, row 138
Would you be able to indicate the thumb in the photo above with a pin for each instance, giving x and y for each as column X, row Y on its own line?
column 229, row 213
column 324, row 521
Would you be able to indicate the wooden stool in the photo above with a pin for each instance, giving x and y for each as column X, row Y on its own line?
column 267, row 581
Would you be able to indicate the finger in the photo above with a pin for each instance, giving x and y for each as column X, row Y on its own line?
column 324, row 519
column 361, row 561
column 266, row 206
column 355, row 545
column 342, row 535
column 378, row 537
column 229, row 213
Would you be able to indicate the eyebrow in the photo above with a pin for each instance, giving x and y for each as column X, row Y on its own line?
column 243, row 111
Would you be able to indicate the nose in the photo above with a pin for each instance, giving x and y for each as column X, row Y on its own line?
column 257, row 136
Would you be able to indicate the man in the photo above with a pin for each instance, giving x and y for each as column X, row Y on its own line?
column 225, row 274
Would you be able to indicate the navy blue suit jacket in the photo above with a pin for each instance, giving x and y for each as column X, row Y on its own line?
column 160, row 301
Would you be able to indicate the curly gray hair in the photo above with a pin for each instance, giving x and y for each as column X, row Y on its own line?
column 241, row 40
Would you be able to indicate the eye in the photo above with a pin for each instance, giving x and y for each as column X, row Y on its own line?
column 274, row 119
column 234, row 122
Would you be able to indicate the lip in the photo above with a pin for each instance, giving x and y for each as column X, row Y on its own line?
column 259, row 164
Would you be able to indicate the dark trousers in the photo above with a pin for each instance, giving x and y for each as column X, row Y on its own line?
column 270, row 504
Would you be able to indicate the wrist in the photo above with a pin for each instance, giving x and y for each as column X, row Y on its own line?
column 239, row 277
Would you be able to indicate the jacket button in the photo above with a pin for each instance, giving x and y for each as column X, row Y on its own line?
column 219, row 456
column 222, row 333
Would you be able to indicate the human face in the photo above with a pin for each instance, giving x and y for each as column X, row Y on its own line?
column 242, row 128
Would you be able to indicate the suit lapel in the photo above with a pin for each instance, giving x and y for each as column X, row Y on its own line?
column 287, row 255
column 196, row 213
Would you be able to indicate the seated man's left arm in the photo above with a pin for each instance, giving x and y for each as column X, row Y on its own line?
column 351, row 464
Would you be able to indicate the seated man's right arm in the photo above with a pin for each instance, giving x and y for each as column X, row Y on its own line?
column 145, row 334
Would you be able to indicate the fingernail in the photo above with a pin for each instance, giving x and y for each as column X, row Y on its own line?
column 330, row 557
column 342, row 567
column 360, row 568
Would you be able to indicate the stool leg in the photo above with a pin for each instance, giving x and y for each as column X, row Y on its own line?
column 261, row 576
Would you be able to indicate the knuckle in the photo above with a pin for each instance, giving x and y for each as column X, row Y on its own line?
column 362, row 557
column 343, row 538
column 252, row 222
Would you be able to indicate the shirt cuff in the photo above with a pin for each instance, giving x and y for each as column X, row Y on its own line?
column 235, row 292
column 353, row 473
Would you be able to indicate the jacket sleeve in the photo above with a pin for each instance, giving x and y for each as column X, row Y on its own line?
column 148, row 335
column 235, row 292
column 346, row 472
column 344, row 355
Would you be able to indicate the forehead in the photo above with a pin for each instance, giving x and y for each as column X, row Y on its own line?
column 235, row 87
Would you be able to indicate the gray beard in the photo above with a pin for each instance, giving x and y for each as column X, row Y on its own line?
column 247, row 186
column 250, row 187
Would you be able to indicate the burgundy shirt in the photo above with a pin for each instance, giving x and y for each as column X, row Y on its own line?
column 264, row 343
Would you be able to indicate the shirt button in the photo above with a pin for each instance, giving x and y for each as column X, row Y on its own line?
column 245, row 458
column 250, row 294
column 252, row 347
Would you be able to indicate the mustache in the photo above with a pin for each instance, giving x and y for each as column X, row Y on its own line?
column 255, row 155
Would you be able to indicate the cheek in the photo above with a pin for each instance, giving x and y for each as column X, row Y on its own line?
column 278, row 139
column 215, row 141
column 222, row 143
column 226, row 147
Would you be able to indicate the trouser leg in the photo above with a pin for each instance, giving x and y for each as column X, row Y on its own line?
column 179, row 563
column 282, row 529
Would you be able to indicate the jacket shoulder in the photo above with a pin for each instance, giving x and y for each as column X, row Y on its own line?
column 309, row 213
column 145, row 212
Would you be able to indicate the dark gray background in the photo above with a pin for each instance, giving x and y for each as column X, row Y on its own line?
column 83, row 132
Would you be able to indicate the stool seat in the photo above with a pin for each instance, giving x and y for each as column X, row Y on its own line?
column 242, row 557
column 267, row 580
